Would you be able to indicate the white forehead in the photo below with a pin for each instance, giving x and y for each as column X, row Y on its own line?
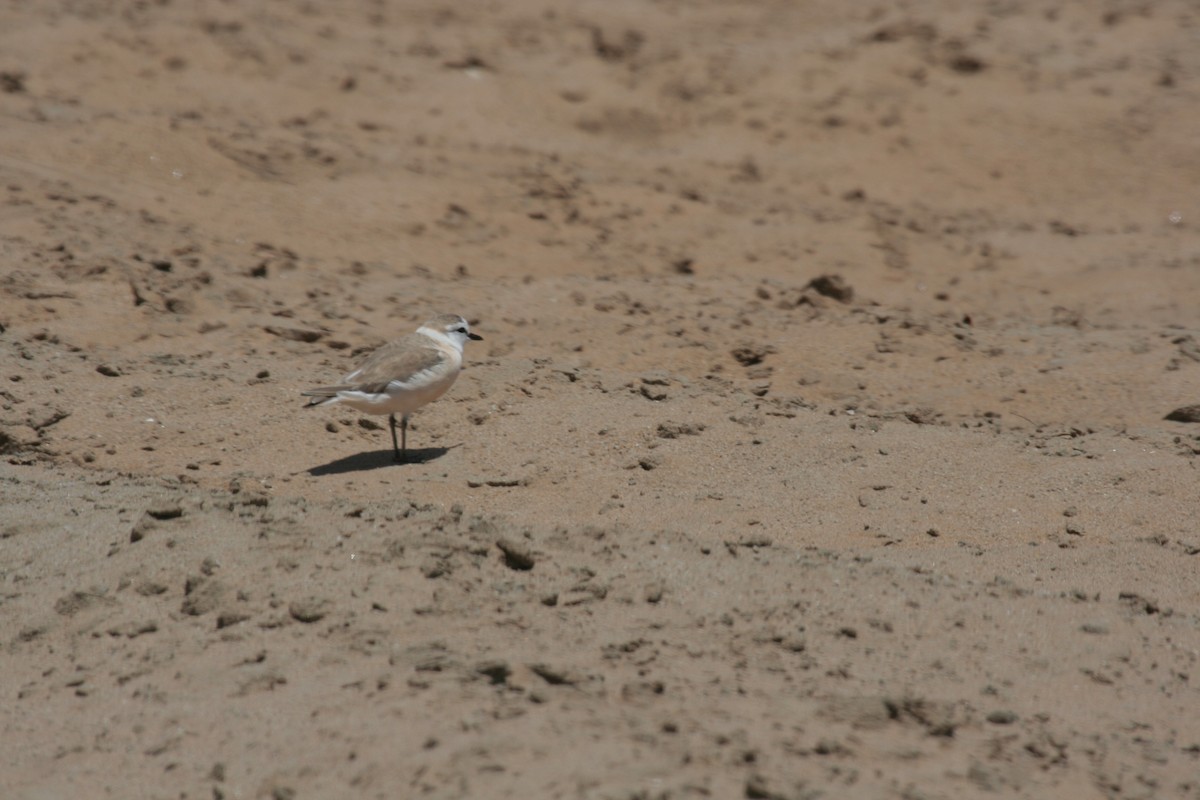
column 446, row 322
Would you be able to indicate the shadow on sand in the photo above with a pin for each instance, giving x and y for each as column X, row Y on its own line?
column 377, row 459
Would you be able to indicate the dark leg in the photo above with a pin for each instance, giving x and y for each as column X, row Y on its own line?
column 399, row 451
column 395, row 447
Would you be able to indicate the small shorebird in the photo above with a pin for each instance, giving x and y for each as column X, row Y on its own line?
column 403, row 375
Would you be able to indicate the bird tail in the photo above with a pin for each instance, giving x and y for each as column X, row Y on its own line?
column 320, row 396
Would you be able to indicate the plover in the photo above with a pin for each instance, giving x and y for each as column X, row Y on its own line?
column 403, row 375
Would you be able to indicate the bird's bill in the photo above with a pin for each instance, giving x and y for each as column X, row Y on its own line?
column 475, row 337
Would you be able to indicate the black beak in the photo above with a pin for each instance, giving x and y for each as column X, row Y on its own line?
column 475, row 337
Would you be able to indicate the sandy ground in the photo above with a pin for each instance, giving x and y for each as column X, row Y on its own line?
column 817, row 447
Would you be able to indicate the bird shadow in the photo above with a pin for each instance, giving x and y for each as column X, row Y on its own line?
column 377, row 459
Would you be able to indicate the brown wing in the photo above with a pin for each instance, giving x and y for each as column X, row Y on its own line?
column 395, row 361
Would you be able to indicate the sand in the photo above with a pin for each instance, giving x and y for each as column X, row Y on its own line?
column 817, row 447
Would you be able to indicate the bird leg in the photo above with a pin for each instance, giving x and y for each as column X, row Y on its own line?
column 395, row 444
column 399, row 451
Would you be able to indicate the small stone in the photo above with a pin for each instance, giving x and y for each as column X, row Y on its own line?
column 497, row 671
column 649, row 462
column 555, row 676
column 435, row 567
column 143, row 526
column 828, row 747
column 833, row 286
column 165, row 512
column 794, row 643
column 656, row 377
column 132, row 630
column 1002, row 717
column 654, row 592
column 179, row 305
column 294, row 334
column 1185, row 414
column 203, row 594
column 108, row 370
column 750, row 354
column 309, row 609
column 758, row 789
column 516, row 555
column 673, row 430
column 653, row 392
column 227, row 618
column 507, row 482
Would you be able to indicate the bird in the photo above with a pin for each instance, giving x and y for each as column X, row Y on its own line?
column 403, row 375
